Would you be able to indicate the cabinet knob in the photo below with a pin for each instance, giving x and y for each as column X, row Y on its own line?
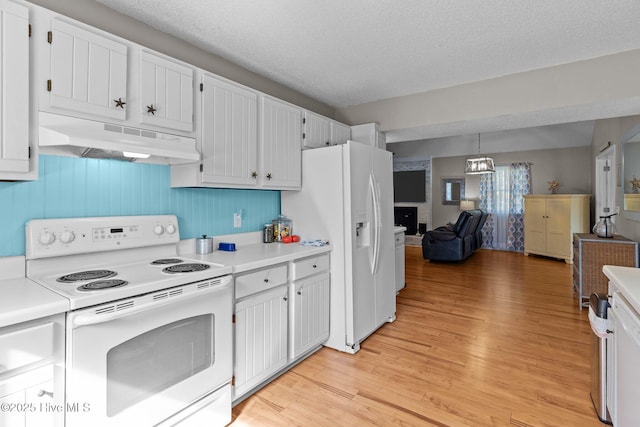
column 151, row 109
column 254, row 174
column 269, row 175
column 44, row 392
column 299, row 292
column 284, row 298
column 327, row 143
column 266, row 280
column 119, row 103
column 314, row 266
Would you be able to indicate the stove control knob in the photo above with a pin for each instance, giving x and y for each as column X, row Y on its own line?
column 67, row 237
column 171, row 228
column 158, row 230
column 46, row 238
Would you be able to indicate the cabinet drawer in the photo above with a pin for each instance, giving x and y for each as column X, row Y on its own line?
column 25, row 346
column 399, row 238
column 257, row 281
column 308, row 266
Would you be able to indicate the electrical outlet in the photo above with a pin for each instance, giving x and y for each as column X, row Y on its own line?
column 237, row 220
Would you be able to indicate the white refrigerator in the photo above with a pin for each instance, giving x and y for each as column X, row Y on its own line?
column 347, row 199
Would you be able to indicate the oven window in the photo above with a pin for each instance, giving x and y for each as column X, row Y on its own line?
column 154, row 361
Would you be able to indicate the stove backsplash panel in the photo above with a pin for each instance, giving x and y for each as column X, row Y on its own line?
column 77, row 187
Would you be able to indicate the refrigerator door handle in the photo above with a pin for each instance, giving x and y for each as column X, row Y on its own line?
column 376, row 224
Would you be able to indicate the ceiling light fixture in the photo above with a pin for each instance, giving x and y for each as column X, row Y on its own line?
column 479, row 165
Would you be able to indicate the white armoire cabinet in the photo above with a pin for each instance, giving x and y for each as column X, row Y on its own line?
column 550, row 221
column 88, row 72
column 14, row 89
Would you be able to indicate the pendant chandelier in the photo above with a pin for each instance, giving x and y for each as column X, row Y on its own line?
column 479, row 164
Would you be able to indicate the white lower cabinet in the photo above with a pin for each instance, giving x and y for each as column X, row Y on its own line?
column 281, row 316
column 309, row 314
column 260, row 338
column 32, row 373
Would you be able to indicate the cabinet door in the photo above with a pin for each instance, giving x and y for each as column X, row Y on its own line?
column 534, row 225
column 558, row 227
column 166, row 93
column 41, row 395
column 88, row 72
column 340, row 133
column 229, row 133
column 310, row 314
column 316, row 130
column 14, row 88
column 280, row 153
column 260, row 338
column 12, row 418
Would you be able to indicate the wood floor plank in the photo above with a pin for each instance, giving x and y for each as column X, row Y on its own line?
column 497, row 340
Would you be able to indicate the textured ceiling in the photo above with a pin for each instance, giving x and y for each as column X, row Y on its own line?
column 348, row 52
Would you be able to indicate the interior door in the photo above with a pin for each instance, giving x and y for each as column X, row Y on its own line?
column 359, row 193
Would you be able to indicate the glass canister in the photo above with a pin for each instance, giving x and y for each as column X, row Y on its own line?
column 282, row 226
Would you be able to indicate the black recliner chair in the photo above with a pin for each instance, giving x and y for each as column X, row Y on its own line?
column 456, row 243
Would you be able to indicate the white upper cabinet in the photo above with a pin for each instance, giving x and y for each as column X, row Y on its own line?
column 280, row 153
column 14, row 90
column 166, row 93
column 317, row 132
column 88, row 72
column 229, row 133
column 340, row 133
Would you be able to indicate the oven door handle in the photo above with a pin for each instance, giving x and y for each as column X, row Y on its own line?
column 93, row 319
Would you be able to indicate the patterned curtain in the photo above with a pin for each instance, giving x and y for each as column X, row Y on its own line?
column 488, row 204
column 494, row 203
column 520, row 185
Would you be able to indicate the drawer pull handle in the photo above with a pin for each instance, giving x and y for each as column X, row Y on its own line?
column 43, row 392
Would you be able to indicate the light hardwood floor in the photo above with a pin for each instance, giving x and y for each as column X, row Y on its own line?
column 497, row 340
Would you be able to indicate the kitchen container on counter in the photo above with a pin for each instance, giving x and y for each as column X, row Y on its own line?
column 204, row 244
column 282, row 226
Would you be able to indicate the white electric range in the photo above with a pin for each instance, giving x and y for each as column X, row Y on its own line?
column 149, row 332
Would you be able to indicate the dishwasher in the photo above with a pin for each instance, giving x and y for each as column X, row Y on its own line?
column 601, row 330
column 626, row 356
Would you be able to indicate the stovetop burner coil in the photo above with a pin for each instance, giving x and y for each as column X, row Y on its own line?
column 102, row 284
column 86, row 275
column 165, row 261
column 185, row 268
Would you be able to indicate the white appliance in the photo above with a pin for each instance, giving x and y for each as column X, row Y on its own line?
column 626, row 369
column 148, row 337
column 347, row 198
column 90, row 138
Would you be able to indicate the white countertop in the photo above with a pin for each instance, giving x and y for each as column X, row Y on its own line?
column 23, row 300
column 258, row 255
column 627, row 280
column 399, row 229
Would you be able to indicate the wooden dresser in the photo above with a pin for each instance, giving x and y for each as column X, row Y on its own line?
column 590, row 253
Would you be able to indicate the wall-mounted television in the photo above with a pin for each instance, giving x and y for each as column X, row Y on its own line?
column 409, row 186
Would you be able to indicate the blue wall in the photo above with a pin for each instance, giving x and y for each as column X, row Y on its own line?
column 75, row 187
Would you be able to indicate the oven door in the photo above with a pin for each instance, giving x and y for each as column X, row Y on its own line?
column 141, row 360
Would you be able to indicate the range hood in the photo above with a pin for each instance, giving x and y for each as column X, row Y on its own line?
column 89, row 138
